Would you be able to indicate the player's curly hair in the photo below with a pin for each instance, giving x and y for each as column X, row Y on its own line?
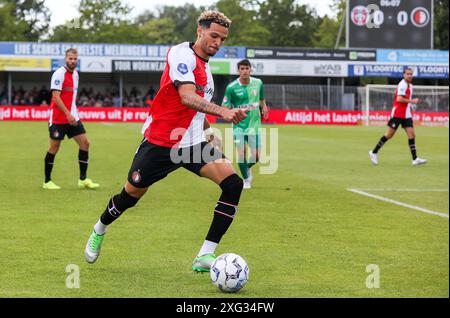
column 207, row 17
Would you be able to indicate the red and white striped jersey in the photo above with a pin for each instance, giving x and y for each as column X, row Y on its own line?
column 67, row 83
column 402, row 110
column 174, row 124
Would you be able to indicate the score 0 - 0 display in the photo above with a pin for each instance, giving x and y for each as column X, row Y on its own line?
column 395, row 24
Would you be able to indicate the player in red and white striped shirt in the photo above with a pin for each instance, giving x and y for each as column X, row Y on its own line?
column 64, row 120
column 175, row 138
column 401, row 115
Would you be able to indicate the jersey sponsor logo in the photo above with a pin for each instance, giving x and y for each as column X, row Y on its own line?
column 248, row 106
column 136, row 177
column 239, row 92
column 182, row 68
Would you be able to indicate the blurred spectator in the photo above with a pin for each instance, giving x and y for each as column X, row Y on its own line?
column 116, row 100
column 151, row 92
column 3, row 94
column 44, row 95
column 86, row 97
column 31, row 101
column 16, row 100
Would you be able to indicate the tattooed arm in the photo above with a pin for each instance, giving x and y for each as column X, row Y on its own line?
column 190, row 99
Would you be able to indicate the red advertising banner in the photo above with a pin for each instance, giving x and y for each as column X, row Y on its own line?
column 93, row 114
column 342, row 117
column 314, row 117
column 276, row 116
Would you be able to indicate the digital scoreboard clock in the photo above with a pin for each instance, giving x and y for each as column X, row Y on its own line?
column 395, row 24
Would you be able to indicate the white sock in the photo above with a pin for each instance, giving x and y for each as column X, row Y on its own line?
column 100, row 228
column 208, row 247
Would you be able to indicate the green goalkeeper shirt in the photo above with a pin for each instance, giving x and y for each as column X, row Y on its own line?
column 245, row 96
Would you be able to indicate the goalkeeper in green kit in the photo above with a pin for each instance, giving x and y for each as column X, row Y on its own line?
column 247, row 92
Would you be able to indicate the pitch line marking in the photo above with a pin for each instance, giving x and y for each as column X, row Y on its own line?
column 398, row 203
column 407, row 190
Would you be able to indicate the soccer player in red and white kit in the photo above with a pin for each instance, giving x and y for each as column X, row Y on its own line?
column 401, row 115
column 175, row 138
column 64, row 120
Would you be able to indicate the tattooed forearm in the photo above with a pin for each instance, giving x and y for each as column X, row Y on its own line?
column 198, row 103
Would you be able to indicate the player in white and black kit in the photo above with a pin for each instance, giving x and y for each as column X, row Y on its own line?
column 401, row 116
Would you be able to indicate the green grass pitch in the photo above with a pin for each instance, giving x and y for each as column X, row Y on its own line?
column 302, row 233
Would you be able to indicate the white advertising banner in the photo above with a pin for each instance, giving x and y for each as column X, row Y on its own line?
column 295, row 68
column 96, row 65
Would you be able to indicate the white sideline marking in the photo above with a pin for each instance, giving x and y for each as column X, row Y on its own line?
column 407, row 190
column 398, row 203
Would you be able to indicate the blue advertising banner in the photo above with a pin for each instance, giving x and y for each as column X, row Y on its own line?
column 102, row 50
column 396, row 71
column 412, row 56
column 84, row 49
column 231, row 52
column 57, row 63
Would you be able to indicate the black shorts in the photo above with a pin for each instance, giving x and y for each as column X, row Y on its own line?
column 395, row 122
column 152, row 163
column 58, row 131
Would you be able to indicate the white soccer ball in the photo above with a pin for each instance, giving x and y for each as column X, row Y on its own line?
column 229, row 272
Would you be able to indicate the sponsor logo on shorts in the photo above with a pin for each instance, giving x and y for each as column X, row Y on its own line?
column 136, row 177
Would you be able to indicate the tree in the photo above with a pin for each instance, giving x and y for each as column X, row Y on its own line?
column 185, row 18
column 99, row 21
column 10, row 28
column 441, row 24
column 160, row 31
column 326, row 35
column 24, row 20
column 289, row 23
column 246, row 29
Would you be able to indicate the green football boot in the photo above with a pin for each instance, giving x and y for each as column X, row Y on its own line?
column 50, row 186
column 93, row 246
column 203, row 263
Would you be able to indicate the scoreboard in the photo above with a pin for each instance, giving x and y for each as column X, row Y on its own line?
column 395, row 24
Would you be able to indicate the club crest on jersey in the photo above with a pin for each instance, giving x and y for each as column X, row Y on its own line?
column 136, row 177
column 255, row 92
column 182, row 68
